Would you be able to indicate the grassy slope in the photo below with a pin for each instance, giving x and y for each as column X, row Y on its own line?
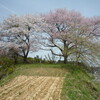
column 77, row 85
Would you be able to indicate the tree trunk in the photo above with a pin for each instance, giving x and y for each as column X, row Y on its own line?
column 65, row 60
column 25, row 56
column 65, row 52
column 15, row 60
column 77, row 58
column 25, row 59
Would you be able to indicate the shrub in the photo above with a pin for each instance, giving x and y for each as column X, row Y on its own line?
column 7, row 66
column 30, row 60
column 6, row 62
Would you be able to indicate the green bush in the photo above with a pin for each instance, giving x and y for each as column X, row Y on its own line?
column 20, row 60
column 6, row 62
column 30, row 60
column 7, row 66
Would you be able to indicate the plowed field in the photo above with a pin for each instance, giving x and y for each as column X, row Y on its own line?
column 32, row 88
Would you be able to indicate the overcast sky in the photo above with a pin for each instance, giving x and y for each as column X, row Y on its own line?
column 88, row 8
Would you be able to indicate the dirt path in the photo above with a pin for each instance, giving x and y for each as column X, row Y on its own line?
column 32, row 88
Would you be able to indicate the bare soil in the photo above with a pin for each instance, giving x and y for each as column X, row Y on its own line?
column 32, row 88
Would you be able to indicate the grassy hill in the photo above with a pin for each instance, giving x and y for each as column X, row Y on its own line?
column 78, row 85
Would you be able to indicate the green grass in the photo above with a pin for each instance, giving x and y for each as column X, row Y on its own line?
column 36, row 70
column 78, row 85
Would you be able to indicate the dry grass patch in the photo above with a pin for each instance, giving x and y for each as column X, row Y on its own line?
column 57, row 72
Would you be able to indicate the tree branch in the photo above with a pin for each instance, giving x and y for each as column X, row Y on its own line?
column 55, row 53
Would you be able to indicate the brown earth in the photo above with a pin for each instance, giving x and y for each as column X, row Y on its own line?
column 32, row 88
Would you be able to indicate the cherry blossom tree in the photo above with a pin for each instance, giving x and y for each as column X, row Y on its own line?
column 75, row 36
column 20, row 31
column 71, row 33
column 10, row 50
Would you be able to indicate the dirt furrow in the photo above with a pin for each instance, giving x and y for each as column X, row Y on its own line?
column 51, row 90
column 27, row 94
column 13, row 89
column 26, row 89
column 57, row 93
column 45, row 89
column 32, row 88
column 13, row 82
column 12, row 85
column 38, row 89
